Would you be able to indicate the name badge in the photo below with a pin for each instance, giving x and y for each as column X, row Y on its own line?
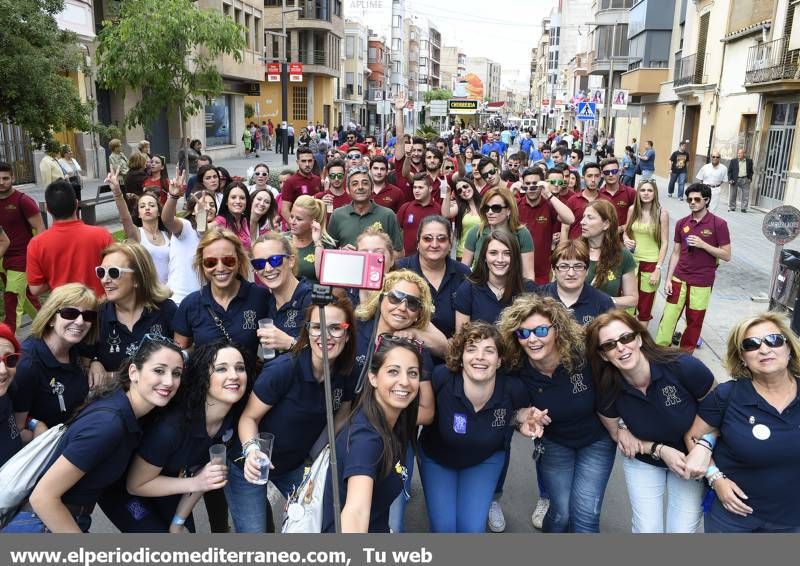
column 410, row 219
column 460, row 423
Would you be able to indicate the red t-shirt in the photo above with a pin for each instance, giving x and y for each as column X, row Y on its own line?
column 298, row 184
column 338, row 200
column 67, row 252
column 409, row 216
column 542, row 222
column 390, row 196
column 577, row 203
column 622, row 200
column 14, row 214
column 695, row 266
column 402, row 182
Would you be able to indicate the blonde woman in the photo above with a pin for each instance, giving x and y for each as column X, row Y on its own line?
column 374, row 240
column 307, row 225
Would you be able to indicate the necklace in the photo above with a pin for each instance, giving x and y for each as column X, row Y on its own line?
column 498, row 291
column 154, row 236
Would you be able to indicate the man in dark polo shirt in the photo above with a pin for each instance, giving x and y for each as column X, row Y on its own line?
column 542, row 213
column 335, row 196
column 349, row 221
column 701, row 241
column 411, row 213
column 383, row 192
column 303, row 182
column 621, row 196
column 578, row 202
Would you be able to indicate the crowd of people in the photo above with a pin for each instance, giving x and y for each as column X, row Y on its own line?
column 517, row 294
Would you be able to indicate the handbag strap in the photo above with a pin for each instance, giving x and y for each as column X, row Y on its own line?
column 219, row 324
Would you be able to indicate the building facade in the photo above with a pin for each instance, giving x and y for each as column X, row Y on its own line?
column 355, row 73
column 488, row 72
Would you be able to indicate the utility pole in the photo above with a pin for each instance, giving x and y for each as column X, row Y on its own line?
column 610, row 78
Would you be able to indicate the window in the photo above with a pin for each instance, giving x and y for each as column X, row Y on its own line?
column 248, row 34
column 218, row 121
column 361, row 48
column 226, row 10
column 397, row 21
column 350, row 80
column 299, row 103
column 397, row 44
column 337, row 11
column 372, row 55
column 258, row 34
column 276, row 49
column 237, row 15
column 349, row 46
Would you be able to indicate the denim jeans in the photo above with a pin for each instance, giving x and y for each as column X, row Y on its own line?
column 681, row 178
column 27, row 522
column 647, row 485
column 576, row 481
column 248, row 501
column 498, row 490
column 718, row 520
column 458, row 500
column 397, row 511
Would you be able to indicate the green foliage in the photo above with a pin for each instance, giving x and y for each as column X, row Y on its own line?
column 167, row 49
column 35, row 57
column 249, row 110
column 438, row 94
column 108, row 132
column 428, row 132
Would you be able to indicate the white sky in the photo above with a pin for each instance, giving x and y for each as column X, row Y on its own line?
column 502, row 30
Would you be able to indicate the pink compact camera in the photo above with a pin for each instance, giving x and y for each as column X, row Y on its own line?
column 359, row 270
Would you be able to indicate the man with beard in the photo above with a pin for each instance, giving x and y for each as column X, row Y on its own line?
column 303, row 182
column 335, row 195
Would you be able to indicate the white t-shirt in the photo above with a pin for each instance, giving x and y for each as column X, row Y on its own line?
column 160, row 254
column 182, row 278
column 711, row 175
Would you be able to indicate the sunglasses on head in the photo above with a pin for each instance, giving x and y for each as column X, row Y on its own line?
column 626, row 338
column 212, row 262
column 494, row 208
column 274, row 261
column 539, row 331
column 11, row 360
column 161, row 339
column 396, row 297
column 72, row 313
column 771, row 340
column 392, row 339
column 112, row 271
column 336, row 175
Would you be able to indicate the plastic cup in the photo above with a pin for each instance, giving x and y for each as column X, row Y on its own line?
column 264, row 457
column 218, row 454
column 443, row 190
column 265, row 353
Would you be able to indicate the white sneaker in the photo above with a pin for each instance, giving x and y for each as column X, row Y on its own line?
column 537, row 518
column 496, row 521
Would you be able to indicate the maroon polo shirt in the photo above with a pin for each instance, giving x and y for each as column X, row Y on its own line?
column 577, row 203
column 338, row 200
column 299, row 184
column 403, row 183
column 14, row 213
column 695, row 266
column 409, row 216
column 622, row 200
column 541, row 221
column 390, row 196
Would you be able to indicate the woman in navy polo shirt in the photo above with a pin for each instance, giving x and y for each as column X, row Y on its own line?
column 137, row 304
column 275, row 263
column 227, row 306
column 755, row 471
column 462, row 453
column 171, row 470
column 288, row 400
column 50, row 382
column 497, row 279
column 372, row 446
column 546, row 347
column 10, row 437
column 433, row 263
column 647, row 399
column 96, row 448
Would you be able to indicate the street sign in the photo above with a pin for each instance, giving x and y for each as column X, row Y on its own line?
column 377, row 95
column 384, row 107
column 587, row 111
column 781, row 225
column 438, row 107
column 274, row 72
column 619, row 100
column 295, row 72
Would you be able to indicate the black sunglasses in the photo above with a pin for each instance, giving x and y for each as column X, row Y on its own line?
column 626, row 338
column 71, row 313
column 495, row 208
column 396, row 297
column 771, row 340
column 11, row 360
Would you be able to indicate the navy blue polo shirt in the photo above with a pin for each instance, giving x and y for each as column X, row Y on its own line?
column 10, row 439
column 480, row 303
column 668, row 409
column 569, row 398
column 297, row 415
column 34, row 389
column 461, row 437
column 363, row 335
column 758, row 448
column 100, row 443
column 292, row 315
column 591, row 303
column 116, row 342
column 359, row 452
column 444, row 298
column 193, row 319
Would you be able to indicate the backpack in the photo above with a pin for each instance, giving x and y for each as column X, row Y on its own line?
column 304, row 504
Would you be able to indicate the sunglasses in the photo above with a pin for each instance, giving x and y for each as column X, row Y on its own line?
column 334, row 330
column 694, row 199
column 212, row 262
column 11, row 360
column 609, row 172
column 715, row 157
column 539, row 331
column 462, row 188
column 161, row 339
column 71, row 313
column 557, row 182
column 429, row 238
column 386, row 338
column 771, row 340
column 490, row 173
column 336, row 175
column 261, row 174
column 113, row 272
column 448, row 167
column 259, row 263
column 396, row 297
column 494, row 208
column 626, row 338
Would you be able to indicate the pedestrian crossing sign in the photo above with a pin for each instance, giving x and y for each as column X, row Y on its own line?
column 587, row 111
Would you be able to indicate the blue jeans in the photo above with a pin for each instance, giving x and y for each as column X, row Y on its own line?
column 718, row 520
column 397, row 511
column 576, row 481
column 458, row 500
column 498, row 490
column 647, row 485
column 681, row 178
column 248, row 501
column 27, row 522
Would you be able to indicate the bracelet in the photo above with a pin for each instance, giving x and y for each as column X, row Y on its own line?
column 711, row 471
column 176, row 197
column 653, row 454
column 704, row 443
column 711, row 439
column 176, row 520
column 292, row 344
column 247, row 446
column 31, row 426
column 714, row 477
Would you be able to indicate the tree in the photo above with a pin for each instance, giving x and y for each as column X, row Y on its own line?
column 168, row 50
column 438, row 94
column 35, row 57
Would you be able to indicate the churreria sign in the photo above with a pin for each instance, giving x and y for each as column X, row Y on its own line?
column 462, row 106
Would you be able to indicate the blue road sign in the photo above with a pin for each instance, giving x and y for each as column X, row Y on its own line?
column 587, row 111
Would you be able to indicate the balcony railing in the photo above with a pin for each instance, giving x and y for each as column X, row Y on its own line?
column 688, row 70
column 771, row 61
column 310, row 10
column 314, row 57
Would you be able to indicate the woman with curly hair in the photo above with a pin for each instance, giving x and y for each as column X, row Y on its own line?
column 462, row 452
column 612, row 268
column 545, row 347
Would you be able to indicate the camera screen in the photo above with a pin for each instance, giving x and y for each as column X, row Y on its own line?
column 346, row 270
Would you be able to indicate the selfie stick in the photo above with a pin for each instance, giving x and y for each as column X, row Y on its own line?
column 321, row 295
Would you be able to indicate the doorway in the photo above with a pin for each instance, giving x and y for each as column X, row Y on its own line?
column 780, row 137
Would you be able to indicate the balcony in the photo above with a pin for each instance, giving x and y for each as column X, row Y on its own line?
column 316, row 61
column 770, row 63
column 644, row 80
column 688, row 71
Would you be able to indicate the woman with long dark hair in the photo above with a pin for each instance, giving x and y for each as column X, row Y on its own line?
column 263, row 212
column 158, row 181
column 234, row 213
column 468, row 216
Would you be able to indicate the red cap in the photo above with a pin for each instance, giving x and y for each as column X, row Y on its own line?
column 5, row 332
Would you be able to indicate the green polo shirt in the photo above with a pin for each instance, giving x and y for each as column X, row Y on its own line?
column 346, row 224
